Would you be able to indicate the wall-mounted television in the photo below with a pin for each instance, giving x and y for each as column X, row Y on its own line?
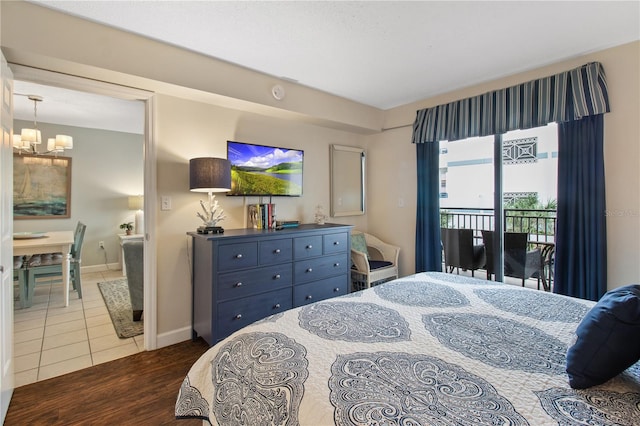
column 264, row 170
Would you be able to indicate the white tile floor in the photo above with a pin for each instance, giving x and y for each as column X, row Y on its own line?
column 51, row 340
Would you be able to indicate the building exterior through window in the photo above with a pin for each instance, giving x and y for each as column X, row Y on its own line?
column 530, row 164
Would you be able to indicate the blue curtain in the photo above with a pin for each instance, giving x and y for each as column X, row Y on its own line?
column 428, row 249
column 581, row 237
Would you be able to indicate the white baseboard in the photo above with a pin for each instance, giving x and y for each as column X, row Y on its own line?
column 172, row 337
column 101, row 268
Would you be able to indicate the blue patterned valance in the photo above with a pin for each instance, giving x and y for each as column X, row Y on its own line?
column 567, row 96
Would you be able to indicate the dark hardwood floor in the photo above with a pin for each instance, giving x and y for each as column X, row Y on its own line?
column 138, row 390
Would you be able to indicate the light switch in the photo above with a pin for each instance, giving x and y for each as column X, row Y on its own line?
column 165, row 202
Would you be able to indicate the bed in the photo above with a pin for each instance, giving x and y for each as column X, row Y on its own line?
column 428, row 349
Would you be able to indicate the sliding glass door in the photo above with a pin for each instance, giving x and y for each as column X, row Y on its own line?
column 503, row 183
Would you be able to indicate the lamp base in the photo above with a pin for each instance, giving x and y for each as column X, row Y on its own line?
column 139, row 223
column 210, row 230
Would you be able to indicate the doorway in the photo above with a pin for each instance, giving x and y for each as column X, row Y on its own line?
column 46, row 78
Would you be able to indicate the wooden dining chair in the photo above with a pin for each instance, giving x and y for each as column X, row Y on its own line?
column 20, row 275
column 50, row 265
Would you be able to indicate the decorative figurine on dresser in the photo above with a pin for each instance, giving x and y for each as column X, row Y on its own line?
column 320, row 217
column 245, row 275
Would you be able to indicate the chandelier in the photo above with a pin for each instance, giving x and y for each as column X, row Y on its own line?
column 28, row 139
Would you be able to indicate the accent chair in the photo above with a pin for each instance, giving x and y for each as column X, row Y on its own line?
column 134, row 262
column 373, row 261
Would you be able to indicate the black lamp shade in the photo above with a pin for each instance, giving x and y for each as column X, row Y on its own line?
column 208, row 174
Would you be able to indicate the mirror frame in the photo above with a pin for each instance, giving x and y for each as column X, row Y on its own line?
column 344, row 186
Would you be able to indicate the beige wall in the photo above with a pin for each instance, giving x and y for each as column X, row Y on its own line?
column 201, row 103
column 189, row 129
column 622, row 162
column 106, row 167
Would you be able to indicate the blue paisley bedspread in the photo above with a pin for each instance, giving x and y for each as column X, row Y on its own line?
column 429, row 349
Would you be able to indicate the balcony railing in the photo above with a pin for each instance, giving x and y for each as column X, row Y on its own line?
column 539, row 224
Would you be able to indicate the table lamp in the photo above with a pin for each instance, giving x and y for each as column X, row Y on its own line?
column 209, row 174
column 136, row 202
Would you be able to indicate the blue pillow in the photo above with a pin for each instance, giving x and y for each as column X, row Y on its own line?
column 608, row 339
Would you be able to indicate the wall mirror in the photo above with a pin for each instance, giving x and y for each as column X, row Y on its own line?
column 347, row 180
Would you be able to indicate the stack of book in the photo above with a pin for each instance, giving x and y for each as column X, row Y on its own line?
column 282, row 224
column 262, row 216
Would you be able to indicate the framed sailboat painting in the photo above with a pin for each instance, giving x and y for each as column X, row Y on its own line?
column 41, row 187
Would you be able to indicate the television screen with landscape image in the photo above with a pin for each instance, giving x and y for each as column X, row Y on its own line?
column 264, row 170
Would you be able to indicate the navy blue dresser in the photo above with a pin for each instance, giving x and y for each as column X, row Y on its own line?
column 244, row 275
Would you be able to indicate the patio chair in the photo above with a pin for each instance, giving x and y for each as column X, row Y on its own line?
column 459, row 250
column 519, row 261
column 373, row 260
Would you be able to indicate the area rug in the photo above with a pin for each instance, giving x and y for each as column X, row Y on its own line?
column 116, row 297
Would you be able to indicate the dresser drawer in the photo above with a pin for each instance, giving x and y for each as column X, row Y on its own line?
column 235, row 314
column 335, row 243
column 304, row 247
column 275, row 251
column 233, row 285
column 319, row 290
column 237, row 256
column 319, row 268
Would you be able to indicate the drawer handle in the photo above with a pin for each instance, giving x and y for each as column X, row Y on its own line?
column 277, row 306
column 336, row 264
column 310, row 270
column 239, row 284
column 309, row 247
column 337, row 289
column 239, row 256
column 239, row 316
column 309, row 297
column 277, row 251
column 336, row 243
column 276, row 277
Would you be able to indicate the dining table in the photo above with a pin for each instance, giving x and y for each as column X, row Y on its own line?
column 28, row 244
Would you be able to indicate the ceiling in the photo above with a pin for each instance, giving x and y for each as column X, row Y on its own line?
column 79, row 109
column 379, row 53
